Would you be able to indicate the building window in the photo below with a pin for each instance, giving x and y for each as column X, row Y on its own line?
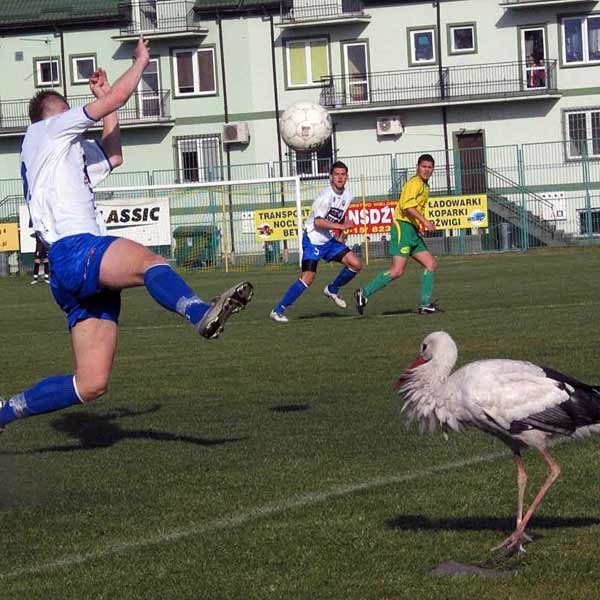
column 199, row 158
column 462, row 38
column 82, row 68
column 583, row 133
column 47, row 71
column 421, row 46
column 194, row 71
column 313, row 164
column 307, row 62
column 581, row 39
column 589, row 219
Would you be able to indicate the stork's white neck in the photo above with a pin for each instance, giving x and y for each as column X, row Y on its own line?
column 423, row 387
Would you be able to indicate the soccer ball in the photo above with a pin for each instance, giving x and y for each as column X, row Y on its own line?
column 305, row 126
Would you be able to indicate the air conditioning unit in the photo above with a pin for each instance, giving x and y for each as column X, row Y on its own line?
column 389, row 126
column 236, row 133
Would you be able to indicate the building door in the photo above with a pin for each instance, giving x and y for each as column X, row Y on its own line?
column 533, row 51
column 472, row 162
column 355, row 67
column 149, row 91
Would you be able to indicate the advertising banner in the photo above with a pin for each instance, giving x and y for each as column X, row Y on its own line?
column 458, row 212
column 143, row 220
column 274, row 224
column 9, row 237
column 447, row 212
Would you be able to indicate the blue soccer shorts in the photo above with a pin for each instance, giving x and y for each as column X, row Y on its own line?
column 331, row 250
column 75, row 281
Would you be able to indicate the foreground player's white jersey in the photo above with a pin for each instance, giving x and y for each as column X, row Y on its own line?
column 59, row 168
column 331, row 206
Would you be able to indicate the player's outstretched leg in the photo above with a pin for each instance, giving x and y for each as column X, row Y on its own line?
column 172, row 292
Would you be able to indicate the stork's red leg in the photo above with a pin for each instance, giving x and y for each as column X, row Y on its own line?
column 521, row 485
column 515, row 540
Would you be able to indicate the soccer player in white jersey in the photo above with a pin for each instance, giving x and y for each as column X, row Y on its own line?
column 89, row 268
column 324, row 230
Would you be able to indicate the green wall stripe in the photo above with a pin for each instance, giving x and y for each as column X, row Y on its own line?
column 580, row 91
column 255, row 116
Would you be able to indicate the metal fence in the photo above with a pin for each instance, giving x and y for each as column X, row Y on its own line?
column 539, row 195
column 143, row 106
column 159, row 17
column 315, row 10
column 433, row 85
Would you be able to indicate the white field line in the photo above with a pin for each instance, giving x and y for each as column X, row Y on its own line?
column 241, row 518
column 182, row 325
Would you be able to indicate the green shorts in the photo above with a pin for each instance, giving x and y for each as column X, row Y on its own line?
column 406, row 240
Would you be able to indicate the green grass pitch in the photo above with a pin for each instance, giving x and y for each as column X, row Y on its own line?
column 273, row 463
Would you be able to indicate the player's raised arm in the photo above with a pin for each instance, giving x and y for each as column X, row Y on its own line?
column 124, row 87
column 111, row 133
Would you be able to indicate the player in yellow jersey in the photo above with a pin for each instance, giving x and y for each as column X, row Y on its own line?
column 407, row 241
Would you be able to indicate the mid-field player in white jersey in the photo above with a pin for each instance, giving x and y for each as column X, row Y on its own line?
column 89, row 268
column 328, row 218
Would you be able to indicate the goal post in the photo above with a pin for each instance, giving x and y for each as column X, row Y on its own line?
column 219, row 225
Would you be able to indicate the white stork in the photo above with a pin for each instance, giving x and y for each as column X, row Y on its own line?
column 522, row 404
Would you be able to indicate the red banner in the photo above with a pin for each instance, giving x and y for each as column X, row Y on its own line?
column 372, row 217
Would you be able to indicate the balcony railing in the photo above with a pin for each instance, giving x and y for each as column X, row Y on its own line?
column 154, row 17
column 527, row 3
column 149, row 107
column 425, row 86
column 314, row 10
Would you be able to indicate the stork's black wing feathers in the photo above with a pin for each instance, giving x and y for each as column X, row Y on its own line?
column 580, row 410
column 564, row 378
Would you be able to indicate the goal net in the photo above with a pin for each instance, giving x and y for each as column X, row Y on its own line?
column 220, row 225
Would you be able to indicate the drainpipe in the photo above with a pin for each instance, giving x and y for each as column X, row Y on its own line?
column 226, row 119
column 275, row 95
column 443, row 94
column 277, row 128
column 63, row 68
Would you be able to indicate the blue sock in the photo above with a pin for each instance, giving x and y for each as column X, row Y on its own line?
column 344, row 276
column 294, row 292
column 46, row 396
column 171, row 291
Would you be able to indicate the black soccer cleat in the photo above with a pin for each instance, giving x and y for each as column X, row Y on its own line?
column 360, row 300
column 228, row 303
column 429, row 309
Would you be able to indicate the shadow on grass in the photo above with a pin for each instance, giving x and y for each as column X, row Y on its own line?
column 400, row 311
column 421, row 523
column 326, row 315
column 286, row 408
column 100, row 431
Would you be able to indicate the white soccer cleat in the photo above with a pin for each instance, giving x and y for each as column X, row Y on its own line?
column 229, row 302
column 278, row 317
column 336, row 298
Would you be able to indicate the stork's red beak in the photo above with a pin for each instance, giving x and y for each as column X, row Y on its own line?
column 417, row 363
